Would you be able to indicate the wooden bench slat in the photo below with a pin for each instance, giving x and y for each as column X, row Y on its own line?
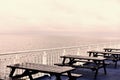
column 87, row 65
column 12, row 79
column 60, row 64
column 42, row 77
column 74, row 75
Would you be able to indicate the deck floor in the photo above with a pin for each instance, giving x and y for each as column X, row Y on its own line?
column 112, row 73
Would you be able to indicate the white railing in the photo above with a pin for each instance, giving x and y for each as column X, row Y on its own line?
column 47, row 56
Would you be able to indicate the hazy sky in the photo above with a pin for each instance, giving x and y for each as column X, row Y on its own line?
column 60, row 16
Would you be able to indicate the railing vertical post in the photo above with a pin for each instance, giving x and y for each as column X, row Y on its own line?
column 16, row 59
column 110, row 44
column 64, row 52
column 44, row 57
column 97, row 46
column 78, row 51
column 89, row 47
column 118, row 42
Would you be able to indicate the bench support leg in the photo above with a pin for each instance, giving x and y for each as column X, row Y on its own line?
column 96, row 73
column 115, row 64
column 12, row 72
column 57, row 76
column 70, row 76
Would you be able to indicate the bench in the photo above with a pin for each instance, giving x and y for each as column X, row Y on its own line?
column 12, row 79
column 74, row 75
column 45, row 77
column 88, row 65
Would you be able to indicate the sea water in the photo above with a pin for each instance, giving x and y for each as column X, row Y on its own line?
column 21, row 42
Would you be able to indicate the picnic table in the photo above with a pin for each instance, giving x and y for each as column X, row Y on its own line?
column 114, row 56
column 33, row 68
column 111, row 49
column 93, row 63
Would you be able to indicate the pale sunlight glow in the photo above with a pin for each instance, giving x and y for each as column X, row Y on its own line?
column 59, row 15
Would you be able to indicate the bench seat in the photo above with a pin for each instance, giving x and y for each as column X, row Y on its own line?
column 45, row 77
column 12, row 79
column 74, row 75
column 88, row 65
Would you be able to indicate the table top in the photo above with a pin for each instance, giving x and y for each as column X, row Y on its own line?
column 111, row 49
column 103, row 52
column 42, row 67
column 83, row 57
column 93, row 51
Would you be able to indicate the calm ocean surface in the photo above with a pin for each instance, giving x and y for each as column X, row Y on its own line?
column 11, row 43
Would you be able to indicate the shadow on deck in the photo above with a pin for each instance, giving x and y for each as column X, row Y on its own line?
column 112, row 74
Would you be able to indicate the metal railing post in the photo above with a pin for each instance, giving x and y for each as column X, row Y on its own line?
column 64, row 52
column 44, row 57
column 78, row 51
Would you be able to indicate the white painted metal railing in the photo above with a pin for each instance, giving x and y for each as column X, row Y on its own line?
column 47, row 56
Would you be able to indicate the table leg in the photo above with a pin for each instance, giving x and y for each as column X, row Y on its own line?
column 25, row 73
column 63, row 62
column 12, row 72
column 104, row 66
column 90, row 54
column 96, row 73
column 115, row 59
column 29, row 74
column 57, row 76
column 115, row 63
column 71, row 61
column 70, row 76
column 108, row 50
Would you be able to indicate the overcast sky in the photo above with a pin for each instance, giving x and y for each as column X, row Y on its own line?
column 60, row 16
